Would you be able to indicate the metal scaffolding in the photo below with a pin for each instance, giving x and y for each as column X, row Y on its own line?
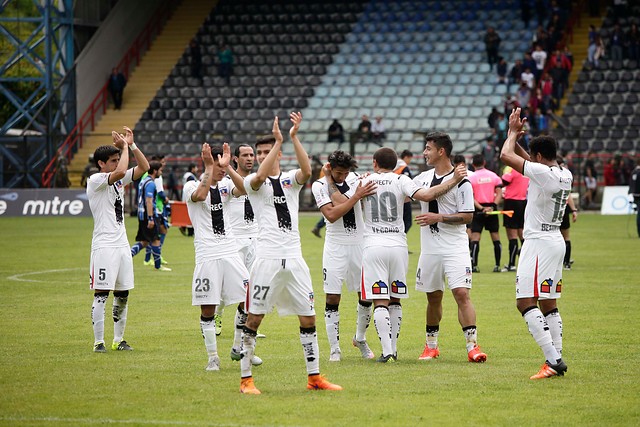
column 45, row 112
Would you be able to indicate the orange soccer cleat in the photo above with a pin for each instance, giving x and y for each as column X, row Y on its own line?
column 429, row 353
column 476, row 355
column 247, row 386
column 319, row 382
column 548, row 370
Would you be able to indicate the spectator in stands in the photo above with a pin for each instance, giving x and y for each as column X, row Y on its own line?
column 557, row 74
column 541, row 37
column 492, row 44
column 195, row 59
column 541, row 11
column 609, row 172
column 190, row 174
column 616, row 43
column 568, row 54
column 116, row 85
column 89, row 170
column 225, row 58
column 590, row 179
column 591, row 50
column 378, row 130
column 525, row 12
column 528, row 78
column 623, row 171
column 502, row 71
column 523, row 95
column 633, row 43
column 540, row 58
column 501, row 127
column 490, row 153
column 493, row 117
column 334, row 134
column 546, row 92
column 61, row 177
column 364, row 128
column 172, row 185
column 528, row 62
column 516, row 72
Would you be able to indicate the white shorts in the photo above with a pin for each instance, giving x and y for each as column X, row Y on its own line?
column 384, row 272
column 281, row 283
column 216, row 280
column 540, row 269
column 434, row 268
column 111, row 269
column 341, row 263
column 247, row 250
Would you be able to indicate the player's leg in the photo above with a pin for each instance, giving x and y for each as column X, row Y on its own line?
column 142, row 240
column 493, row 225
column 97, row 319
column 332, row 323
column 162, row 234
column 102, row 275
column 430, row 280
column 208, row 328
column 564, row 229
column 363, row 310
column 335, row 264
column 554, row 320
column 124, row 283
column 512, row 236
column 477, row 225
column 398, row 265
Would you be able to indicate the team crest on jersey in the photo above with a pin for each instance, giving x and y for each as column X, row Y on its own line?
column 545, row 286
column 286, row 183
column 224, row 191
column 311, row 300
column 380, row 288
column 398, row 287
column 245, row 283
column 467, row 271
column 559, row 286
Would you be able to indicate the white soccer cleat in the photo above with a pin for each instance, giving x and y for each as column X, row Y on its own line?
column 256, row 361
column 336, row 355
column 214, row 364
column 364, row 348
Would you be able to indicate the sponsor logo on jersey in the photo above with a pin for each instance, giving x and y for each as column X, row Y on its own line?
column 398, row 287
column 545, row 286
column 380, row 288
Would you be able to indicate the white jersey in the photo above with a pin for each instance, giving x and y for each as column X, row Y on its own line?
column 107, row 207
column 159, row 182
column 276, row 208
column 383, row 224
column 443, row 238
column 213, row 238
column 242, row 217
column 549, row 190
column 349, row 229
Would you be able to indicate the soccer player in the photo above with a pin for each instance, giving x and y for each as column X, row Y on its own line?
column 219, row 274
column 385, row 255
column 342, row 255
column 149, row 218
column 515, row 199
column 444, row 248
column 111, row 264
column 162, row 206
column 539, row 274
column 570, row 211
column 488, row 195
column 280, row 276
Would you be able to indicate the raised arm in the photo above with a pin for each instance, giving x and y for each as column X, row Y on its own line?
column 200, row 194
column 269, row 162
column 123, row 163
column 238, row 182
column 141, row 160
column 432, row 193
column 304, row 173
column 513, row 154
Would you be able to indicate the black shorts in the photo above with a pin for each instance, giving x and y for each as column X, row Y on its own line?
column 147, row 234
column 481, row 221
column 517, row 206
column 566, row 219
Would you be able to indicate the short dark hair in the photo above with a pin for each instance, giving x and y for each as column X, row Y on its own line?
column 545, row 145
column 216, row 150
column 191, row 166
column 157, row 157
column 386, row 158
column 237, row 150
column 477, row 160
column 269, row 139
column 441, row 140
column 459, row 158
column 154, row 165
column 103, row 153
column 406, row 153
column 340, row 159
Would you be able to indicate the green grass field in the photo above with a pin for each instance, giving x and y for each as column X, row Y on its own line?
column 50, row 376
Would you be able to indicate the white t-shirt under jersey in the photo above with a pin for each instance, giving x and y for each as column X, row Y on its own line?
column 277, row 215
column 241, row 214
column 383, row 224
column 107, row 207
column 349, row 229
column 549, row 189
column 213, row 238
column 441, row 238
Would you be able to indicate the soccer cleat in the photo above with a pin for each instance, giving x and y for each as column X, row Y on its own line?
column 218, row 319
column 429, row 353
column 318, row 382
column 497, row 269
column 567, row 267
column 99, row 348
column 121, row 346
column 364, row 348
column 163, row 268
column 236, row 355
column 163, row 261
column 395, row 356
column 259, row 335
column 509, row 268
column 548, row 370
column 385, row 359
column 316, row 232
column 475, row 270
column 476, row 355
column 214, row 364
column 150, row 262
column 335, row 355
column 247, row 386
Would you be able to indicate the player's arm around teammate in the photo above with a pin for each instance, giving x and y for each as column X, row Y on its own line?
column 432, row 193
column 341, row 204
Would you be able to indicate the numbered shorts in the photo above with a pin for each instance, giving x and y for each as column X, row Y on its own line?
column 247, row 250
column 111, row 269
column 281, row 283
column 433, row 269
column 341, row 263
column 384, row 272
column 216, row 280
column 517, row 219
column 539, row 271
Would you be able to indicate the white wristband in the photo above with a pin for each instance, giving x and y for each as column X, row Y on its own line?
column 133, row 147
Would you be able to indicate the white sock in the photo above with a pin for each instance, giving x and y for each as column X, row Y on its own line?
column 471, row 335
column 395, row 317
column 120, row 309
column 241, row 319
column 208, row 328
column 309, row 341
column 332, row 323
column 97, row 315
column 540, row 332
column 383, row 326
column 248, row 349
column 555, row 328
column 363, row 320
column 432, row 336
